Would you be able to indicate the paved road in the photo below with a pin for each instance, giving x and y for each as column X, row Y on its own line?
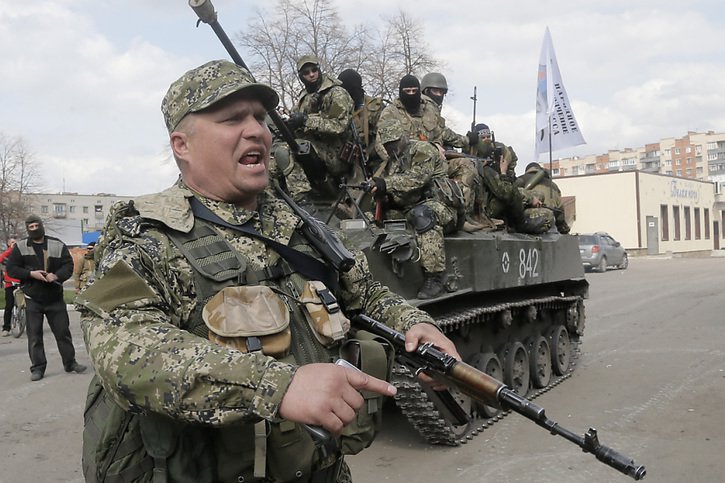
column 651, row 379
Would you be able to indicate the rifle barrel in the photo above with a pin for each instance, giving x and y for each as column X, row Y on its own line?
column 488, row 390
column 206, row 13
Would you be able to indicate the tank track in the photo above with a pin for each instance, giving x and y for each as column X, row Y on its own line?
column 420, row 410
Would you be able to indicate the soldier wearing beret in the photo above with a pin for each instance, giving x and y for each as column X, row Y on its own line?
column 212, row 348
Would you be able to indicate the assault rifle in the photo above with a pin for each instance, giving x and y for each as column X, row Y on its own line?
column 206, row 13
column 360, row 147
column 485, row 389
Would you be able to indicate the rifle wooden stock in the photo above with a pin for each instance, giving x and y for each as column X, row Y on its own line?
column 488, row 390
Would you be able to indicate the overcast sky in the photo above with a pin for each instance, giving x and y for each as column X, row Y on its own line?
column 81, row 81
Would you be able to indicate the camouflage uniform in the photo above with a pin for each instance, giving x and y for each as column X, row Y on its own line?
column 329, row 110
column 136, row 319
column 410, row 186
column 425, row 124
column 548, row 193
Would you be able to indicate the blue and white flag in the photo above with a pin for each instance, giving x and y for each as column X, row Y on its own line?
column 552, row 106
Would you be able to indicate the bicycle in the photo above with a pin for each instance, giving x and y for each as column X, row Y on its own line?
column 17, row 320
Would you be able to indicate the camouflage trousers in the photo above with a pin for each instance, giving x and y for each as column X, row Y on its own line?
column 463, row 170
column 432, row 257
column 537, row 220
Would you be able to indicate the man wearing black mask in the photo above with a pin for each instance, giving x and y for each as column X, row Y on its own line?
column 42, row 263
column 367, row 111
column 418, row 115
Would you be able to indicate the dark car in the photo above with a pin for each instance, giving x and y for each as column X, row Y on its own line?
column 599, row 251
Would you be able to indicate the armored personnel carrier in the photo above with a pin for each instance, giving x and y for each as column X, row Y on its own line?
column 514, row 307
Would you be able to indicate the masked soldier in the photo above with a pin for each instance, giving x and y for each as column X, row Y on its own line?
column 460, row 168
column 417, row 114
column 416, row 186
column 322, row 117
column 366, row 115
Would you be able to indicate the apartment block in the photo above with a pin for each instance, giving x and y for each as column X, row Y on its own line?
column 91, row 210
column 699, row 156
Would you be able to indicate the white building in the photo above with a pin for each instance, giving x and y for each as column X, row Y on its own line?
column 91, row 210
column 653, row 213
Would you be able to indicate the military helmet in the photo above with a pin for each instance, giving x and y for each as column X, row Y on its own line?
column 434, row 79
column 307, row 59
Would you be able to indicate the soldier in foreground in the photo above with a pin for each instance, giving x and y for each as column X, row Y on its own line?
column 212, row 346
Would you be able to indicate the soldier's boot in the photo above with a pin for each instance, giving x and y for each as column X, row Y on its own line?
column 432, row 286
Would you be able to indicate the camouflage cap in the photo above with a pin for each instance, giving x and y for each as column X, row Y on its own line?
column 389, row 131
column 208, row 84
column 307, row 59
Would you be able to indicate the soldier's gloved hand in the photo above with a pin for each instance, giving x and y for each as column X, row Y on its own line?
column 297, row 120
column 379, row 189
column 472, row 138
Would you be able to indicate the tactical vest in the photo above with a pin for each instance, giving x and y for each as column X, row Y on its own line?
column 140, row 444
column 55, row 249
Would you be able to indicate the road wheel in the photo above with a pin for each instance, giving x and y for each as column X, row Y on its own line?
column 516, row 368
column 602, row 267
column 560, row 349
column 625, row 262
column 540, row 357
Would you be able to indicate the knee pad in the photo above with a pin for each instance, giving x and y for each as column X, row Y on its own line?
column 422, row 218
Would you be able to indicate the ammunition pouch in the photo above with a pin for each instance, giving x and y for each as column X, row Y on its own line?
column 447, row 191
column 329, row 325
column 249, row 319
column 350, row 153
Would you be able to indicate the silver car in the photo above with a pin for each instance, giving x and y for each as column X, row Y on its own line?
column 600, row 251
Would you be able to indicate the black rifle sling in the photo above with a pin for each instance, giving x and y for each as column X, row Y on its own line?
column 307, row 265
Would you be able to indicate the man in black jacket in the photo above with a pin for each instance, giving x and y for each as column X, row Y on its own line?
column 42, row 263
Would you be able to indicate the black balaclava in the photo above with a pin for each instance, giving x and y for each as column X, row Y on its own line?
column 411, row 102
column 37, row 234
column 352, row 82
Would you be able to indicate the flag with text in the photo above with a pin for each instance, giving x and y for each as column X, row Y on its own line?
column 552, row 106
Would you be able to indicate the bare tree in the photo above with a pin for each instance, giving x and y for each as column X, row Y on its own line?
column 18, row 177
column 401, row 50
column 296, row 28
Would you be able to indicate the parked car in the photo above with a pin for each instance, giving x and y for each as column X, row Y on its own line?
column 599, row 251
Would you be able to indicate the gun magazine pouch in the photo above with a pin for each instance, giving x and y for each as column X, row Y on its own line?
column 249, row 318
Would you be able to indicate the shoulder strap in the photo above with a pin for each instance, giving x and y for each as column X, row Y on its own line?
column 307, row 265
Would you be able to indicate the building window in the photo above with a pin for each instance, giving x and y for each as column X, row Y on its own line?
column 99, row 211
column 665, row 223
column 613, row 164
column 85, row 210
column 555, row 172
column 668, row 172
column 688, row 224
column 44, row 209
column 698, row 170
column 706, row 214
column 679, row 172
column 698, row 149
column 85, row 223
column 676, row 219
column 668, row 152
column 575, row 170
column 688, row 149
column 677, row 150
column 71, row 209
column 697, row 224
column 678, row 162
